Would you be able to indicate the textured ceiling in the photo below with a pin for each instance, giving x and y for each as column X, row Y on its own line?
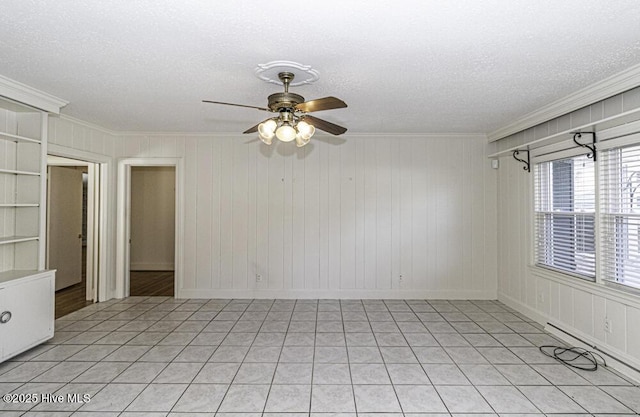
column 420, row 66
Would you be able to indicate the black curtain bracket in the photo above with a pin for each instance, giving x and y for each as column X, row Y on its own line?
column 592, row 147
column 526, row 162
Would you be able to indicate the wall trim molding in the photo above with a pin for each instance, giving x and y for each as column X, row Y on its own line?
column 89, row 125
column 623, row 368
column 615, row 84
column 337, row 294
column 30, row 96
column 545, row 320
column 532, row 313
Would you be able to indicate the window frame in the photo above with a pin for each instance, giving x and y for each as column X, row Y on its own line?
column 552, row 156
column 566, row 149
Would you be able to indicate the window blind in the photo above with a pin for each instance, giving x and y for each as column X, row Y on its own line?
column 620, row 215
column 565, row 215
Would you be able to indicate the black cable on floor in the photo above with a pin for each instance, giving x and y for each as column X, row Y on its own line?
column 569, row 356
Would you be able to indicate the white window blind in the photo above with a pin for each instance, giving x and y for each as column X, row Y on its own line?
column 620, row 215
column 565, row 215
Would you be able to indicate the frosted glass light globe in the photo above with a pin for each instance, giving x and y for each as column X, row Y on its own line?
column 286, row 133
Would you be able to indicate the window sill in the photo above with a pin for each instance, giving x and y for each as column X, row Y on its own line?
column 607, row 289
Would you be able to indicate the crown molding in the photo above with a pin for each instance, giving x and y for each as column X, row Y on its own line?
column 30, row 96
column 89, row 125
column 616, row 84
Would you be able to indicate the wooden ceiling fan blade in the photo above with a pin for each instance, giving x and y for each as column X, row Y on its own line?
column 326, row 103
column 252, row 129
column 237, row 105
column 324, row 125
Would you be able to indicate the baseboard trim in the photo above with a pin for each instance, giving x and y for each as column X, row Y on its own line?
column 338, row 294
column 573, row 336
column 612, row 356
column 523, row 308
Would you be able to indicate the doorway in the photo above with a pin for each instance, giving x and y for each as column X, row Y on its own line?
column 70, row 222
column 128, row 268
column 152, row 231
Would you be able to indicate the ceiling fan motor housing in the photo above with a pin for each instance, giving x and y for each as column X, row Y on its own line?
column 284, row 101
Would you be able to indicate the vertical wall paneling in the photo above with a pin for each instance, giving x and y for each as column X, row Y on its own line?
column 215, row 185
column 240, row 213
column 262, row 217
column 190, row 218
column 423, row 242
column 252, row 214
column 370, row 214
column 347, row 215
column 340, row 217
column 384, row 205
column 225, row 235
column 360, row 220
column 204, row 214
column 276, row 220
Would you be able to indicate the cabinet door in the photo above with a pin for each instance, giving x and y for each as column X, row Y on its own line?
column 31, row 306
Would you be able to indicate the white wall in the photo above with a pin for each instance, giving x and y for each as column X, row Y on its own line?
column 152, row 218
column 575, row 305
column 343, row 219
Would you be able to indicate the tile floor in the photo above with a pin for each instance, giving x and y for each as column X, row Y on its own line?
column 246, row 358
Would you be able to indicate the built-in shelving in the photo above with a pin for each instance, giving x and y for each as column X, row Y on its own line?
column 17, row 239
column 19, row 205
column 26, row 288
column 17, row 138
column 18, row 172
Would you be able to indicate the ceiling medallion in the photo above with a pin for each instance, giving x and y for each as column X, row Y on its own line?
column 303, row 74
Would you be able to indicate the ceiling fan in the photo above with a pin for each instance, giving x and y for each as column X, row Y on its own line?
column 293, row 121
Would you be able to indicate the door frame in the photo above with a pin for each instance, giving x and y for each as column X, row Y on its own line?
column 97, row 221
column 123, row 215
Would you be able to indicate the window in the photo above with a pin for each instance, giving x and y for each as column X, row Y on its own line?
column 620, row 214
column 565, row 215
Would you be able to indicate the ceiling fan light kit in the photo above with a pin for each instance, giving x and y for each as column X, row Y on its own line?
column 293, row 123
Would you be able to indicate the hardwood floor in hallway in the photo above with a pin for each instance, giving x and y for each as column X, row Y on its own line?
column 149, row 283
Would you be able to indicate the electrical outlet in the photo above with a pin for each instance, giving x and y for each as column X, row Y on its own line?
column 258, row 278
column 400, row 280
column 541, row 297
column 608, row 326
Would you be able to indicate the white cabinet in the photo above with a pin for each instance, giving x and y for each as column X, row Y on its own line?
column 26, row 311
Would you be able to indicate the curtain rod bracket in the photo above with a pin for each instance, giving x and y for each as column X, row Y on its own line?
column 526, row 162
column 593, row 154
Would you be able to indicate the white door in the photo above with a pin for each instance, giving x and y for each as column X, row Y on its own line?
column 64, row 242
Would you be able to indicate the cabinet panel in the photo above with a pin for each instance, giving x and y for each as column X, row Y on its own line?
column 30, row 302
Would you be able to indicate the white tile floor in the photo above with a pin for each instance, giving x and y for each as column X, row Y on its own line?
column 246, row 358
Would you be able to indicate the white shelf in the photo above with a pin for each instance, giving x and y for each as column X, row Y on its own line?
column 17, row 138
column 16, row 239
column 18, row 172
column 19, row 205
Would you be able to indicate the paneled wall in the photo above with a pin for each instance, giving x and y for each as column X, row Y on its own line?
column 342, row 217
column 573, row 304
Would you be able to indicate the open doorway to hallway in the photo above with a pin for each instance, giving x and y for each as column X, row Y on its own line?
column 152, row 231
column 68, row 225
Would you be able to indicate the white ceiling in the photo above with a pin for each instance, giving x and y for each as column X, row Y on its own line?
column 421, row 66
